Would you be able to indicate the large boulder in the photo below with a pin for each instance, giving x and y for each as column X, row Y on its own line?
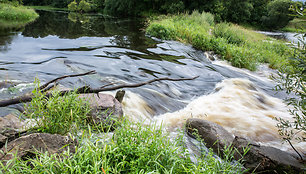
column 105, row 109
column 29, row 145
column 214, row 135
column 259, row 158
column 266, row 159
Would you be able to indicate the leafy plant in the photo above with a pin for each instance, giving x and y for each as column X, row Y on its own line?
column 294, row 82
column 57, row 114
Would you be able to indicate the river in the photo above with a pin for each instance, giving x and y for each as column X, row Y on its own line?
column 58, row 43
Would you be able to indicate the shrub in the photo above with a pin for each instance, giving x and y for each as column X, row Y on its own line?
column 84, row 6
column 73, row 6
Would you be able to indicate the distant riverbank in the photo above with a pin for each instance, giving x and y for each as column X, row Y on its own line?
column 244, row 48
column 15, row 16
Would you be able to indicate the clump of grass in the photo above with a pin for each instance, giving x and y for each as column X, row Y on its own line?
column 133, row 148
column 57, row 114
column 244, row 48
column 15, row 16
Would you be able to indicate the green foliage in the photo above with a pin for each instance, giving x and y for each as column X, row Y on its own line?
column 294, row 82
column 242, row 47
column 230, row 33
column 238, row 11
column 277, row 14
column 15, row 16
column 97, row 5
column 53, row 3
column 57, row 114
column 73, row 6
column 81, row 7
column 173, row 6
column 133, row 148
column 84, row 6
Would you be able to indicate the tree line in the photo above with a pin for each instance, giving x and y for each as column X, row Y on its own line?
column 270, row 14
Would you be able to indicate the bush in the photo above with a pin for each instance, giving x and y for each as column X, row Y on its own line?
column 73, row 6
column 278, row 14
column 84, row 6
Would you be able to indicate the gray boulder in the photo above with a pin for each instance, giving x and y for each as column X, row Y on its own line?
column 106, row 110
column 28, row 146
column 266, row 159
column 261, row 159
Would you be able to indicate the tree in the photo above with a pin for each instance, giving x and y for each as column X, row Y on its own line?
column 278, row 14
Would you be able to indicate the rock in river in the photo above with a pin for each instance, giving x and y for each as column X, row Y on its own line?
column 106, row 110
column 261, row 159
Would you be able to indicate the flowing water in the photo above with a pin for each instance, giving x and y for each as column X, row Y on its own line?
column 59, row 43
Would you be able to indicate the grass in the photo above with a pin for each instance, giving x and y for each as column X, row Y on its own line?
column 58, row 114
column 297, row 25
column 15, row 16
column 131, row 148
column 244, row 48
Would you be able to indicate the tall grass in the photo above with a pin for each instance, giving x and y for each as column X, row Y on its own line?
column 244, row 48
column 133, row 148
column 15, row 16
column 57, row 114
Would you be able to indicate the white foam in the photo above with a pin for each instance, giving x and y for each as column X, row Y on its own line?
column 240, row 108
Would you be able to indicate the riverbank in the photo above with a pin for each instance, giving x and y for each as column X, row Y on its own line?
column 242, row 47
column 15, row 16
column 297, row 25
column 130, row 148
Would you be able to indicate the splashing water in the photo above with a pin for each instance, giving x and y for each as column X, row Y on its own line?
column 237, row 105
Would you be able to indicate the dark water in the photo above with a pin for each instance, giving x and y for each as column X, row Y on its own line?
column 118, row 49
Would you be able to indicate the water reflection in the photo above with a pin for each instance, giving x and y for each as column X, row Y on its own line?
column 6, row 39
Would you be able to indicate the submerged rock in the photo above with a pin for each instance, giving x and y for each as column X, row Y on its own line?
column 106, row 110
column 7, row 84
column 259, row 158
column 28, row 146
